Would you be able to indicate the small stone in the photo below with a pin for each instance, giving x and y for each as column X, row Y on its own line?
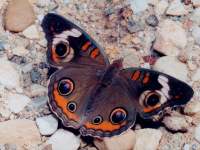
column 31, row 32
column 130, row 59
column 138, row 5
column 134, row 26
column 17, row 102
column 161, row 7
column 196, row 34
column 147, row 139
column 152, row 20
column 176, row 123
column 179, row 69
column 38, row 90
column 20, row 51
column 47, row 124
column 196, row 75
column 19, row 132
column 196, row 16
column 192, row 107
column 9, row 76
column 38, row 102
column 176, row 8
column 196, row 3
column 124, row 141
column 42, row 3
column 186, row 147
column 19, row 15
column 197, row 133
column 63, row 140
column 35, row 76
column 171, row 38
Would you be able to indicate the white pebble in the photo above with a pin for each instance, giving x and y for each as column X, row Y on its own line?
column 64, row 140
column 47, row 125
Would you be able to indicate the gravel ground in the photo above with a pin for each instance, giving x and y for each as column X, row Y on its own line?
column 156, row 34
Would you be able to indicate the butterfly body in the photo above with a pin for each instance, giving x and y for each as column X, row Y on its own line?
column 96, row 97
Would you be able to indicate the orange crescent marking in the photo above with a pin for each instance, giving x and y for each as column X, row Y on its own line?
column 62, row 103
column 53, row 55
column 149, row 109
column 135, row 75
column 85, row 46
column 146, row 79
column 95, row 53
column 104, row 126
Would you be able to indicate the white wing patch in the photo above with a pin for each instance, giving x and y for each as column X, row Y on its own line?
column 165, row 87
column 65, row 34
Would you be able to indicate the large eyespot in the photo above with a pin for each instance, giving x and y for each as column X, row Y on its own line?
column 118, row 115
column 152, row 99
column 65, row 86
column 97, row 120
column 71, row 106
column 62, row 49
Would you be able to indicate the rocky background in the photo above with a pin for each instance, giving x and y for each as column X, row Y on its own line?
column 160, row 34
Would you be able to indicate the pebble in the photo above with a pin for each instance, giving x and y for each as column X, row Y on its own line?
column 195, row 17
column 138, row 5
column 19, row 15
column 152, row 20
column 35, row 75
column 186, row 147
column 196, row 3
column 31, row 32
column 147, row 139
column 63, row 140
column 176, row 123
column 9, row 76
column 176, row 8
column 17, row 102
column 192, row 107
column 179, row 69
column 161, row 7
column 38, row 90
column 124, row 141
column 130, row 59
column 134, row 26
column 38, row 102
column 171, row 38
column 197, row 133
column 196, row 75
column 20, row 132
column 196, row 34
column 47, row 125
column 20, row 51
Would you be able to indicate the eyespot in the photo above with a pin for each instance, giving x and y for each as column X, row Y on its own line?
column 71, row 106
column 61, row 49
column 65, row 87
column 118, row 115
column 97, row 120
column 152, row 99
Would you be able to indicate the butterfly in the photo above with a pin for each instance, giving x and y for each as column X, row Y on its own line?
column 99, row 98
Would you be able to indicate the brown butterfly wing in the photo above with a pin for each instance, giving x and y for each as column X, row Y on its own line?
column 112, row 103
column 69, row 43
column 69, row 89
column 155, row 91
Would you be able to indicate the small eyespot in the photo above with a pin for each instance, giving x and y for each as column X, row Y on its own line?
column 62, row 49
column 65, row 87
column 152, row 99
column 118, row 115
column 97, row 120
column 71, row 106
